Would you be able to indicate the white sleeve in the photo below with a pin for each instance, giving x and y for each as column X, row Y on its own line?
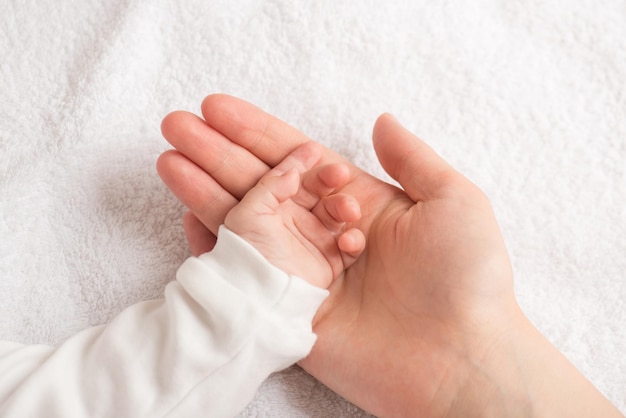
column 227, row 322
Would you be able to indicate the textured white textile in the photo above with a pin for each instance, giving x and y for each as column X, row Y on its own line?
column 526, row 97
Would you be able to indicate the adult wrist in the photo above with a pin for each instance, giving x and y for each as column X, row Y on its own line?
column 524, row 375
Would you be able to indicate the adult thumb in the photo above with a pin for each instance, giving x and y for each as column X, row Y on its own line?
column 409, row 160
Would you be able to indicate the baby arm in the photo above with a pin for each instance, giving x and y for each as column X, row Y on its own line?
column 229, row 320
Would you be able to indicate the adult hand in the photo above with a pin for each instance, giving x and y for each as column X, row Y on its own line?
column 425, row 322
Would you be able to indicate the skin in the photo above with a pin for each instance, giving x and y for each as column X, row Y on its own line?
column 424, row 322
column 292, row 217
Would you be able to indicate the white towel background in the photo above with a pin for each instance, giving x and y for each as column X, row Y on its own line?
column 526, row 97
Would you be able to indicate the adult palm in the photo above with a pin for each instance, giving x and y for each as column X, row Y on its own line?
column 430, row 296
column 408, row 324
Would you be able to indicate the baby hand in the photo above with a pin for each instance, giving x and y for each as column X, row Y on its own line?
column 295, row 218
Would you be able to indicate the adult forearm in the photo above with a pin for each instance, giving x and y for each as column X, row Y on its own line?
column 524, row 375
